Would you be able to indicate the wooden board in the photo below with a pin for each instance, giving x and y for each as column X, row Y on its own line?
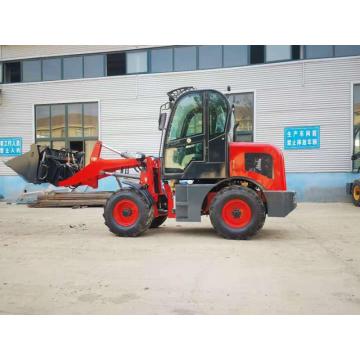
column 71, row 199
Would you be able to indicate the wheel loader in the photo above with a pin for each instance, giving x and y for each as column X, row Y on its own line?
column 200, row 171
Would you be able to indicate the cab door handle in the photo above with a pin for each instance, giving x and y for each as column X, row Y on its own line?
column 188, row 140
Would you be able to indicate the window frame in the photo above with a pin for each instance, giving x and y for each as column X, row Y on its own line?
column 246, row 91
column 182, row 141
column 22, row 70
column 5, row 63
column 66, row 138
column 61, row 58
column 340, row 56
column 232, row 66
column 150, row 60
column 82, row 66
column 252, row 47
column 147, row 51
column 203, row 132
column 210, row 68
column 106, row 62
column 104, row 67
column 196, row 57
column 266, row 61
column 213, row 135
column 299, row 55
column 305, row 50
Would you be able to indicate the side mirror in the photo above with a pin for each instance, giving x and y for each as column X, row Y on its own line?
column 162, row 121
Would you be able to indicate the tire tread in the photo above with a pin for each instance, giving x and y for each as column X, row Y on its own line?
column 252, row 230
column 133, row 231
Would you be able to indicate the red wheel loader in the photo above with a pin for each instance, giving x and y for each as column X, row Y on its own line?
column 200, row 170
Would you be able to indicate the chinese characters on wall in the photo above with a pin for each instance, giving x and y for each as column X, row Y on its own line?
column 11, row 146
column 304, row 137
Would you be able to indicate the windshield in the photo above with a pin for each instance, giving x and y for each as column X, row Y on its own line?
column 188, row 117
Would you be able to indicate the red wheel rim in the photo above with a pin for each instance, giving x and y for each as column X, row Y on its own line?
column 126, row 212
column 236, row 213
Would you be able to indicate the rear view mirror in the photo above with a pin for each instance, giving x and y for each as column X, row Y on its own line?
column 162, row 121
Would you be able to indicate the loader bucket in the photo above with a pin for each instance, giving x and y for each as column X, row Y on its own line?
column 27, row 165
column 45, row 165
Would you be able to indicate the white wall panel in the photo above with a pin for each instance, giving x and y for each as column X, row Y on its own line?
column 287, row 94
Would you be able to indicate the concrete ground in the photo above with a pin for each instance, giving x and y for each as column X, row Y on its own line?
column 65, row 261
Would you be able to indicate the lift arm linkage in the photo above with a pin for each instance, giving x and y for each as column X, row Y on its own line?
column 99, row 168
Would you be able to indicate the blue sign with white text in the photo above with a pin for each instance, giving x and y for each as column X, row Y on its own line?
column 302, row 137
column 10, row 146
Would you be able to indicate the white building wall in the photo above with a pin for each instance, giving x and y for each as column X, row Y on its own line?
column 311, row 92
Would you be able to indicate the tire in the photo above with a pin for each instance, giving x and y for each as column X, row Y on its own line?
column 237, row 213
column 355, row 193
column 127, row 213
column 158, row 221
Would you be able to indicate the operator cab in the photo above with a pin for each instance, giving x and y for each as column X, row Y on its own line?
column 195, row 142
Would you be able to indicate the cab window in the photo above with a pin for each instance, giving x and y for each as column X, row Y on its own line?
column 188, row 118
column 217, row 114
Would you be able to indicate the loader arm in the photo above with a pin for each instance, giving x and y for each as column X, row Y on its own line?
column 99, row 168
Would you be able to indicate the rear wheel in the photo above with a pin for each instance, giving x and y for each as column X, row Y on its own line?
column 356, row 193
column 127, row 213
column 237, row 213
column 158, row 221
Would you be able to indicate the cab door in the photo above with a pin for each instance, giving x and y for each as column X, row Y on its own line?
column 217, row 115
column 185, row 136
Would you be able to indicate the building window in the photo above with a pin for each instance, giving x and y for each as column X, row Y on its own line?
column 75, row 121
column 318, row 51
column 93, row 66
column 210, row 56
column 42, row 122
column 347, row 50
column 161, row 60
column 12, row 72
column 31, row 70
column 295, row 52
column 70, row 126
column 91, row 120
column 57, row 118
column 356, row 117
column 244, row 116
column 278, row 53
column 116, row 64
column 236, row 55
column 1, row 73
column 136, row 62
column 257, row 54
column 51, row 69
column 73, row 67
column 185, row 58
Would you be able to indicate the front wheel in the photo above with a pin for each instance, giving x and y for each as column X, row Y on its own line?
column 237, row 213
column 127, row 213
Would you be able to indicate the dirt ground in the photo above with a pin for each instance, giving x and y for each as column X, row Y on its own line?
column 65, row 261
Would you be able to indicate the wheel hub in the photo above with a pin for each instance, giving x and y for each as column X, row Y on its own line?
column 236, row 213
column 126, row 212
